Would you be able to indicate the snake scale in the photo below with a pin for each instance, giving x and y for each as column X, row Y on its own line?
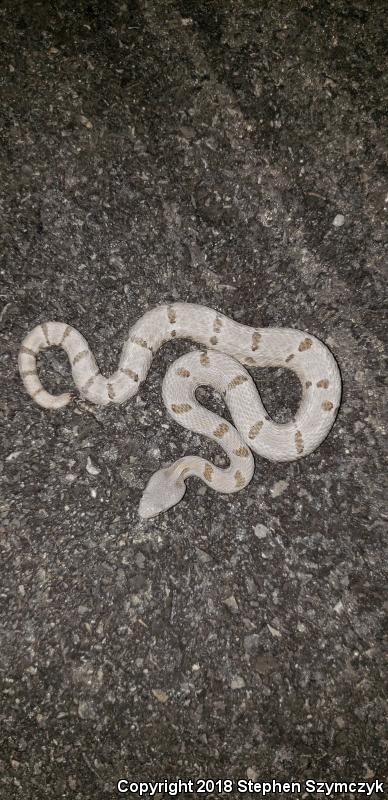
column 230, row 347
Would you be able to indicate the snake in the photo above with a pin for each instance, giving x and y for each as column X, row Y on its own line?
column 229, row 350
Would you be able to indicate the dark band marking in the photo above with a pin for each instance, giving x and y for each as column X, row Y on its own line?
column 173, row 334
column 27, row 351
column 82, row 354
column 323, row 384
column 250, row 361
column 140, row 342
column 305, row 345
column 111, row 391
column 213, row 340
column 289, row 358
column 217, row 324
column 44, row 328
column 88, row 383
column 308, row 384
column 27, row 372
column 68, row 330
column 204, row 359
column 90, row 380
column 131, row 374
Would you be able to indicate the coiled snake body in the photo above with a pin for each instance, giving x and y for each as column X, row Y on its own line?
column 229, row 346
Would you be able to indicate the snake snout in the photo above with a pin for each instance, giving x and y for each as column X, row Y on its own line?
column 162, row 492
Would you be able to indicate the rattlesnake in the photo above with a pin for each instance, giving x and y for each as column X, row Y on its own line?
column 229, row 345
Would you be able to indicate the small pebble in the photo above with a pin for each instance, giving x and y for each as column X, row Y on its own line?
column 237, row 682
column 251, row 643
column 161, row 696
column 260, row 531
column 85, row 122
column 252, row 774
column 85, row 710
column 338, row 220
column 231, row 603
column 91, row 468
column 278, row 488
column 274, row 632
column 140, row 560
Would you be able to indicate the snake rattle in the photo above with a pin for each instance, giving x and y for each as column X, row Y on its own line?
column 229, row 346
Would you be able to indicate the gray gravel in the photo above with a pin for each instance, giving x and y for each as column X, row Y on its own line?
column 232, row 154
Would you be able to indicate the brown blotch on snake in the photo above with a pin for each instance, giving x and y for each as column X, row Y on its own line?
column 204, row 359
column 243, row 452
column 239, row 478
column 181, row 408
column 221, row 430
column 323, row 384
column 183, row 373
column 111, row 391
column 289, row 358
column 327, row 405
column 237, row 381
column 299, row 442
column 171, row 313
column 305, row 345
column 217, row 325
column 213, row 340
column 140, row 342
column 208, row 472
column 256, row 336
column 250, row 361
column 255, row 429
column 82, row 354
column 308, row 384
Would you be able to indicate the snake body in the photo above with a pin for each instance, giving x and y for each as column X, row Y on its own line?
column 230, row 346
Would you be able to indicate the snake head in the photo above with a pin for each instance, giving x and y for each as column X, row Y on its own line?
column 164, row 489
